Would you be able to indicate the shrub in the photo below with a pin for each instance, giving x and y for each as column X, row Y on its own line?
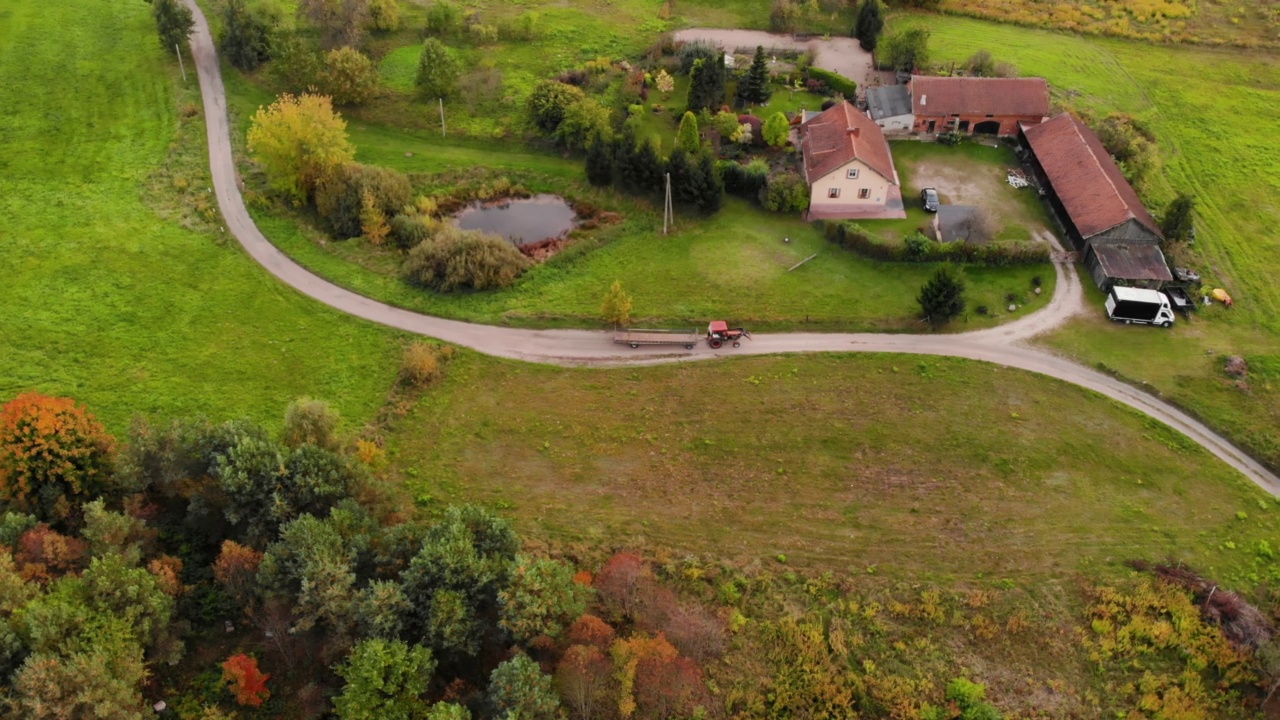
column 409, row 230
column 917, row 246
column 691, row 52
column 384, row 15
column 548, row 103
column 444, row 18
column 314, row 422
column 585, row 123
column 743, row 180
column 464, row 259
column 981, row 64
column 942, row 296
column 856, row 238
column 777, row 130
column 349, row 76
column 835, row 81
column 785, row 193
column 421, row 364
column 524, row 27
column 341, row 200
column 905, row 51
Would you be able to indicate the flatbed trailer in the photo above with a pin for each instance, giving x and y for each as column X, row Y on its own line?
column 635, row 337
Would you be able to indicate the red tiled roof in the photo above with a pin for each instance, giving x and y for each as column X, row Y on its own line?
column 1084, row 177
column 979, row 96
column 829, row 142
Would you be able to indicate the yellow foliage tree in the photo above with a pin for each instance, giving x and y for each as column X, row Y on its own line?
column 300, row 141
column 616, row 307
column 373, row 222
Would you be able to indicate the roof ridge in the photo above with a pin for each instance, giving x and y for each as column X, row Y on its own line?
column 1075, row 127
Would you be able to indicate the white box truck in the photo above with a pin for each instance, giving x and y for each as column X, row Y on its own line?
column 1136, row 305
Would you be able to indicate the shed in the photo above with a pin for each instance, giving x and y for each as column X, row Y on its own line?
column 988, row 106
column 890, row 107
column 1134, row 265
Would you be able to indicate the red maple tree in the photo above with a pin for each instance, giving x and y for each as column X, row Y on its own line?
column 248, row 684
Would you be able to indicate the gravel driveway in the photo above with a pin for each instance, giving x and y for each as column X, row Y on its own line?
column 839, row 54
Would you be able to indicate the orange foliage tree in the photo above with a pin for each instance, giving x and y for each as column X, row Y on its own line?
column 236, row 569
column 248, row 684
column 51, row 448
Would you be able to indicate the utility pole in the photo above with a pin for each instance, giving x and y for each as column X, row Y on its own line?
column 668, row 213
column 443, row 133
column 181, row 65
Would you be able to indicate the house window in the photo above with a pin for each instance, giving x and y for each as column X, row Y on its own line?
column 852, row 173
column 864, row 193
column 833, row 192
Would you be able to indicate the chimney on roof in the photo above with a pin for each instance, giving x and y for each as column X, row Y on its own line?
column 855, row 131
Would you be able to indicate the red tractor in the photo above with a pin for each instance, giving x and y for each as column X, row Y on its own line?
column 719, row 333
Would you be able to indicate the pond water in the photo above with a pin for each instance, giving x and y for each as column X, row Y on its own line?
column 520, row 220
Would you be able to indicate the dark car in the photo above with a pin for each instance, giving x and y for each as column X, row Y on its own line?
column 929, row 197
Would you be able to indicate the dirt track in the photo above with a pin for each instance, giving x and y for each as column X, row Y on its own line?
column 1000, row 345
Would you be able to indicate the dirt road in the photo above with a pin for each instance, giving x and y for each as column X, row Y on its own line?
column 1000, row 345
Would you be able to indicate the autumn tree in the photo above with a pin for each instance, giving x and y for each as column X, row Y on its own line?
column 437, row 70
column 664, row 82
column 666, row 686
column 616, row 306
column 236, row 570
column 340, row 22
column 373, row 222
column 248, row 33
column 621, row 583
column 687, row 136
column 519, row 689
column 540, row 599
column 300, row 141
column 582, row 677
column 591, row 630
column 100, row 677
column 53, row 455
column 246, row 682
column 627, row 655
column 776, row 130
column 385, row 680
column 754, row 87
column 174, row 22
column 350, row 78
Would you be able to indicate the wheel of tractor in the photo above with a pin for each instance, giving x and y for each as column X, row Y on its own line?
column 714, row 343
column 635, row 345
column 737, row 344
column 689, row 346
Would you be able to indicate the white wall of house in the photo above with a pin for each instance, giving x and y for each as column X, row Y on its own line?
column 897, row 123
column 854, row 184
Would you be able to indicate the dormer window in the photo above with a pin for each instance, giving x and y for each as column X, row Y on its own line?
column 851, row 173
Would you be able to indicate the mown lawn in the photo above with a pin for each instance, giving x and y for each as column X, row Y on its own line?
column 106, row 296
column 916, row 468
column 1208, row 109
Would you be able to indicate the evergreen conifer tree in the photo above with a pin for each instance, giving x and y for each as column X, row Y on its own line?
column 942, row 296
column 599, row 163
column 754, row 88
column 687, row 135
column 869, row 25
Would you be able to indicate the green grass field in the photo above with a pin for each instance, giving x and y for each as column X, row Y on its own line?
column 921, row 468
column 106, row 296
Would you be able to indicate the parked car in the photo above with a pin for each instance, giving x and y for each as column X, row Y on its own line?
column 929, row 197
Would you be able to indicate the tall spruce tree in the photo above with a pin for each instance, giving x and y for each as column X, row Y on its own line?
column 706, row 83
column 711, row 188
column 682, row 171
column 1179, row 221
column 754, row 88
column 869, row 25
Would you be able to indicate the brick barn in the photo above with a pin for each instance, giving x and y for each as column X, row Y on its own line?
column 1098, row 208
column 985, row 106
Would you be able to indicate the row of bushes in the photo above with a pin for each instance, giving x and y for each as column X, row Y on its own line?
column 835, row 81
column 854, row 237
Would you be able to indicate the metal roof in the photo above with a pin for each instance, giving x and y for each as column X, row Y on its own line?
column 888, row 101
column 1132, row 262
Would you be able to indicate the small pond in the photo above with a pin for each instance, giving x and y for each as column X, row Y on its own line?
column 520, row 220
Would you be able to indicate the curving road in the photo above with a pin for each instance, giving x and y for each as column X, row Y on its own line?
column 1001, row 345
